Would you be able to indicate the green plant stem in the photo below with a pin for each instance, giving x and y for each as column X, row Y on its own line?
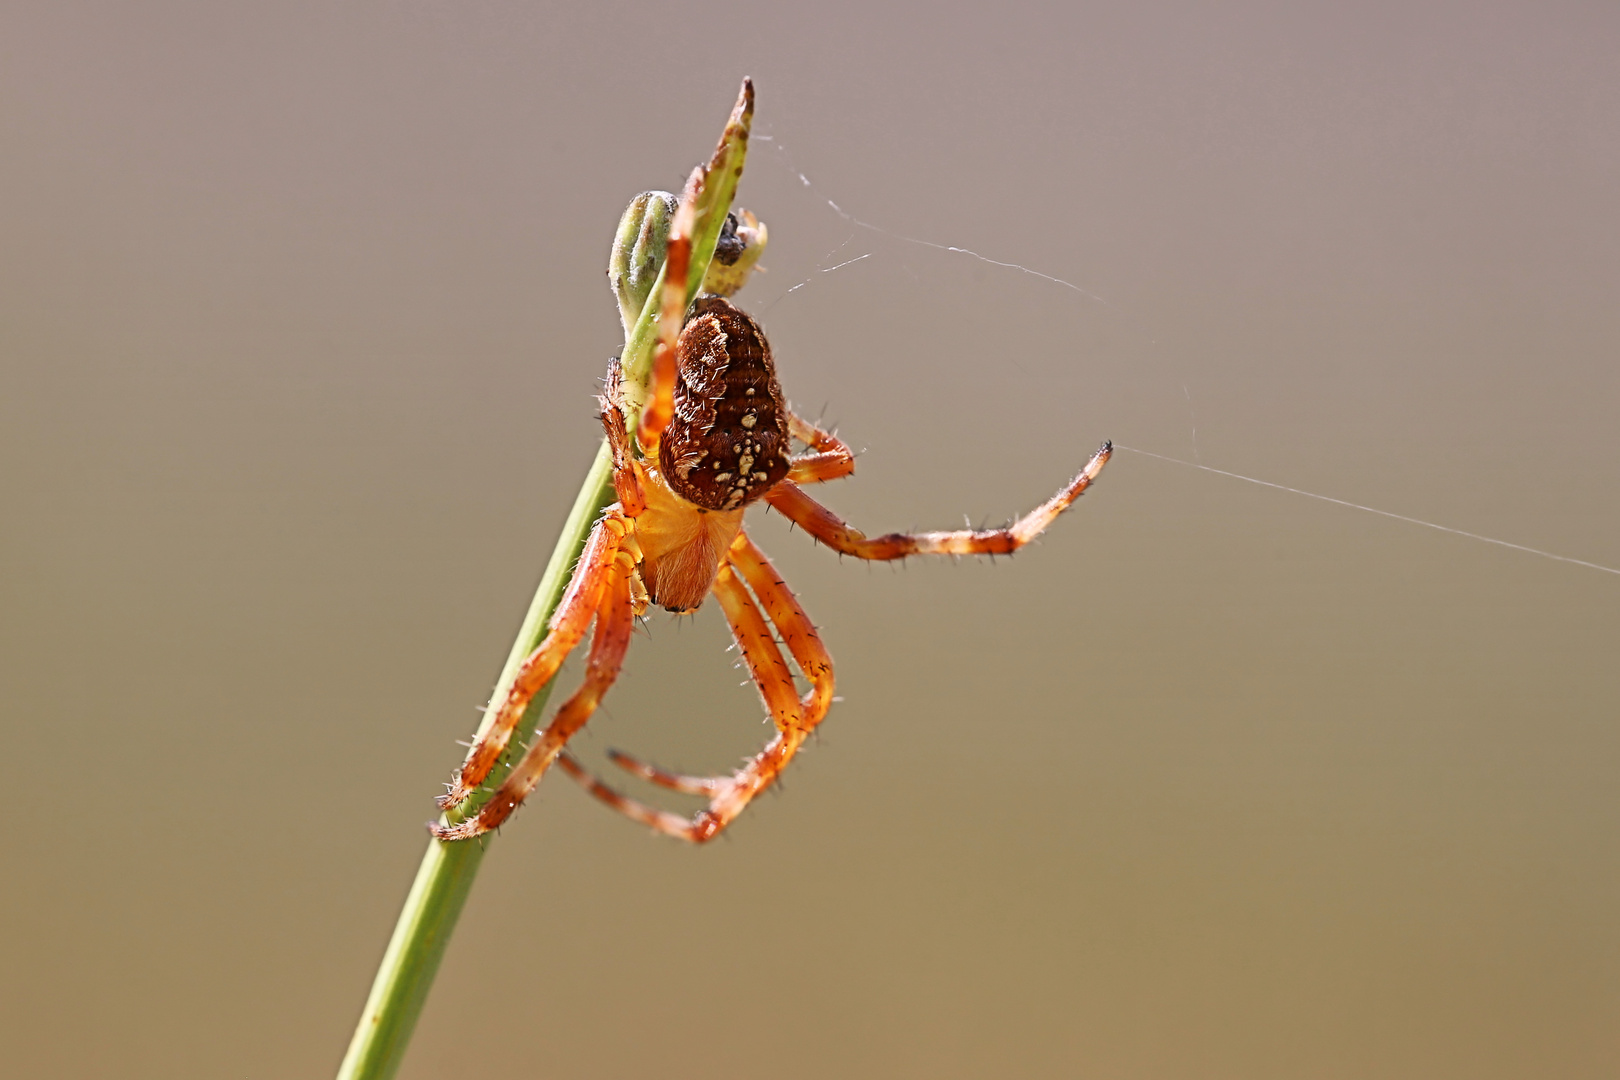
column 446, row 875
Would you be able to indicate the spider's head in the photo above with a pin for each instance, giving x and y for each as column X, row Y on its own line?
column 742, row 241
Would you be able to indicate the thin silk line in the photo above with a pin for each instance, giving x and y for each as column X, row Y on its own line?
column 1375, row 510
column 853, row 220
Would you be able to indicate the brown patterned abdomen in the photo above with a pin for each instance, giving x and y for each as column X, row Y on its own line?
column 728, row 442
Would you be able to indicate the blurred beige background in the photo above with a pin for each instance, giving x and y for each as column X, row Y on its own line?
column 301, row 315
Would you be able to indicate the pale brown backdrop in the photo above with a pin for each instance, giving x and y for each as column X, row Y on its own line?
column 301, row 312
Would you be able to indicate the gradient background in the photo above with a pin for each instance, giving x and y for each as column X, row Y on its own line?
column 301, row 314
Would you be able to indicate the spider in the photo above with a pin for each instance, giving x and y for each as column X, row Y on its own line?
column 715, row 437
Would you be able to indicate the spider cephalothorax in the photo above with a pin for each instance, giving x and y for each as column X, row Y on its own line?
column 714, row 436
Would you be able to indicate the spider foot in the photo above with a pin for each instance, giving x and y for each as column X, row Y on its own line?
column 490, row 816
column 465, row 830
column 455, row 793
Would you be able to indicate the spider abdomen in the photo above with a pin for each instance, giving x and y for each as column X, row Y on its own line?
column 727, row 444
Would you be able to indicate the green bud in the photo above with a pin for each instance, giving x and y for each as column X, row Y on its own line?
column 638, row 251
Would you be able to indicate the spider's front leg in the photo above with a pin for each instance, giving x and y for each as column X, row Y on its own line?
column 660, row 407
column 821, row 523
column 794, row 717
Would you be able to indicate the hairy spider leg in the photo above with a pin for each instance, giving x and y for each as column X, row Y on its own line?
column 568, row 624
column 626, row 484
column 791, row 501
column 660, row 407
column 789, row 617
column 686, row 785
column 661, row 820
column 758, row 645
column 803, row 642
column 829, row 458
column 770, row 673
column 729, row 796
column 574, row 610
column 614, row 621
column 775, row 683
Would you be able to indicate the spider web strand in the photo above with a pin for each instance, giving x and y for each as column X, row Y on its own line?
column 1374, row 510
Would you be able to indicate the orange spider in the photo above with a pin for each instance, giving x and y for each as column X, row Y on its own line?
column 715, row 436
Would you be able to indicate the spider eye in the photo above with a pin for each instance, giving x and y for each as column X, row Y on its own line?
column 729, row 247
column 741, row 241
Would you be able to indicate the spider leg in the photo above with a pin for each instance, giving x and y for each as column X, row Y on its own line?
column 568, row 624
column 574, row 610
column 789, row 616
column 660, row 407
column 821, row 523
column 614, row 621
column 758, row 646
column 685, row 784
column 730, row 795
column 661, row 820
column 829, row 459
column 626, row 482
column 803, row 642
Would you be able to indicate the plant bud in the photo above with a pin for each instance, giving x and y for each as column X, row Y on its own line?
column 638, row 251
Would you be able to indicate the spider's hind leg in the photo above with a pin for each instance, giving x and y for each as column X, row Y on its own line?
column 661, row 820
column 568, row 625
column 681, row 782
column 615, row 619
